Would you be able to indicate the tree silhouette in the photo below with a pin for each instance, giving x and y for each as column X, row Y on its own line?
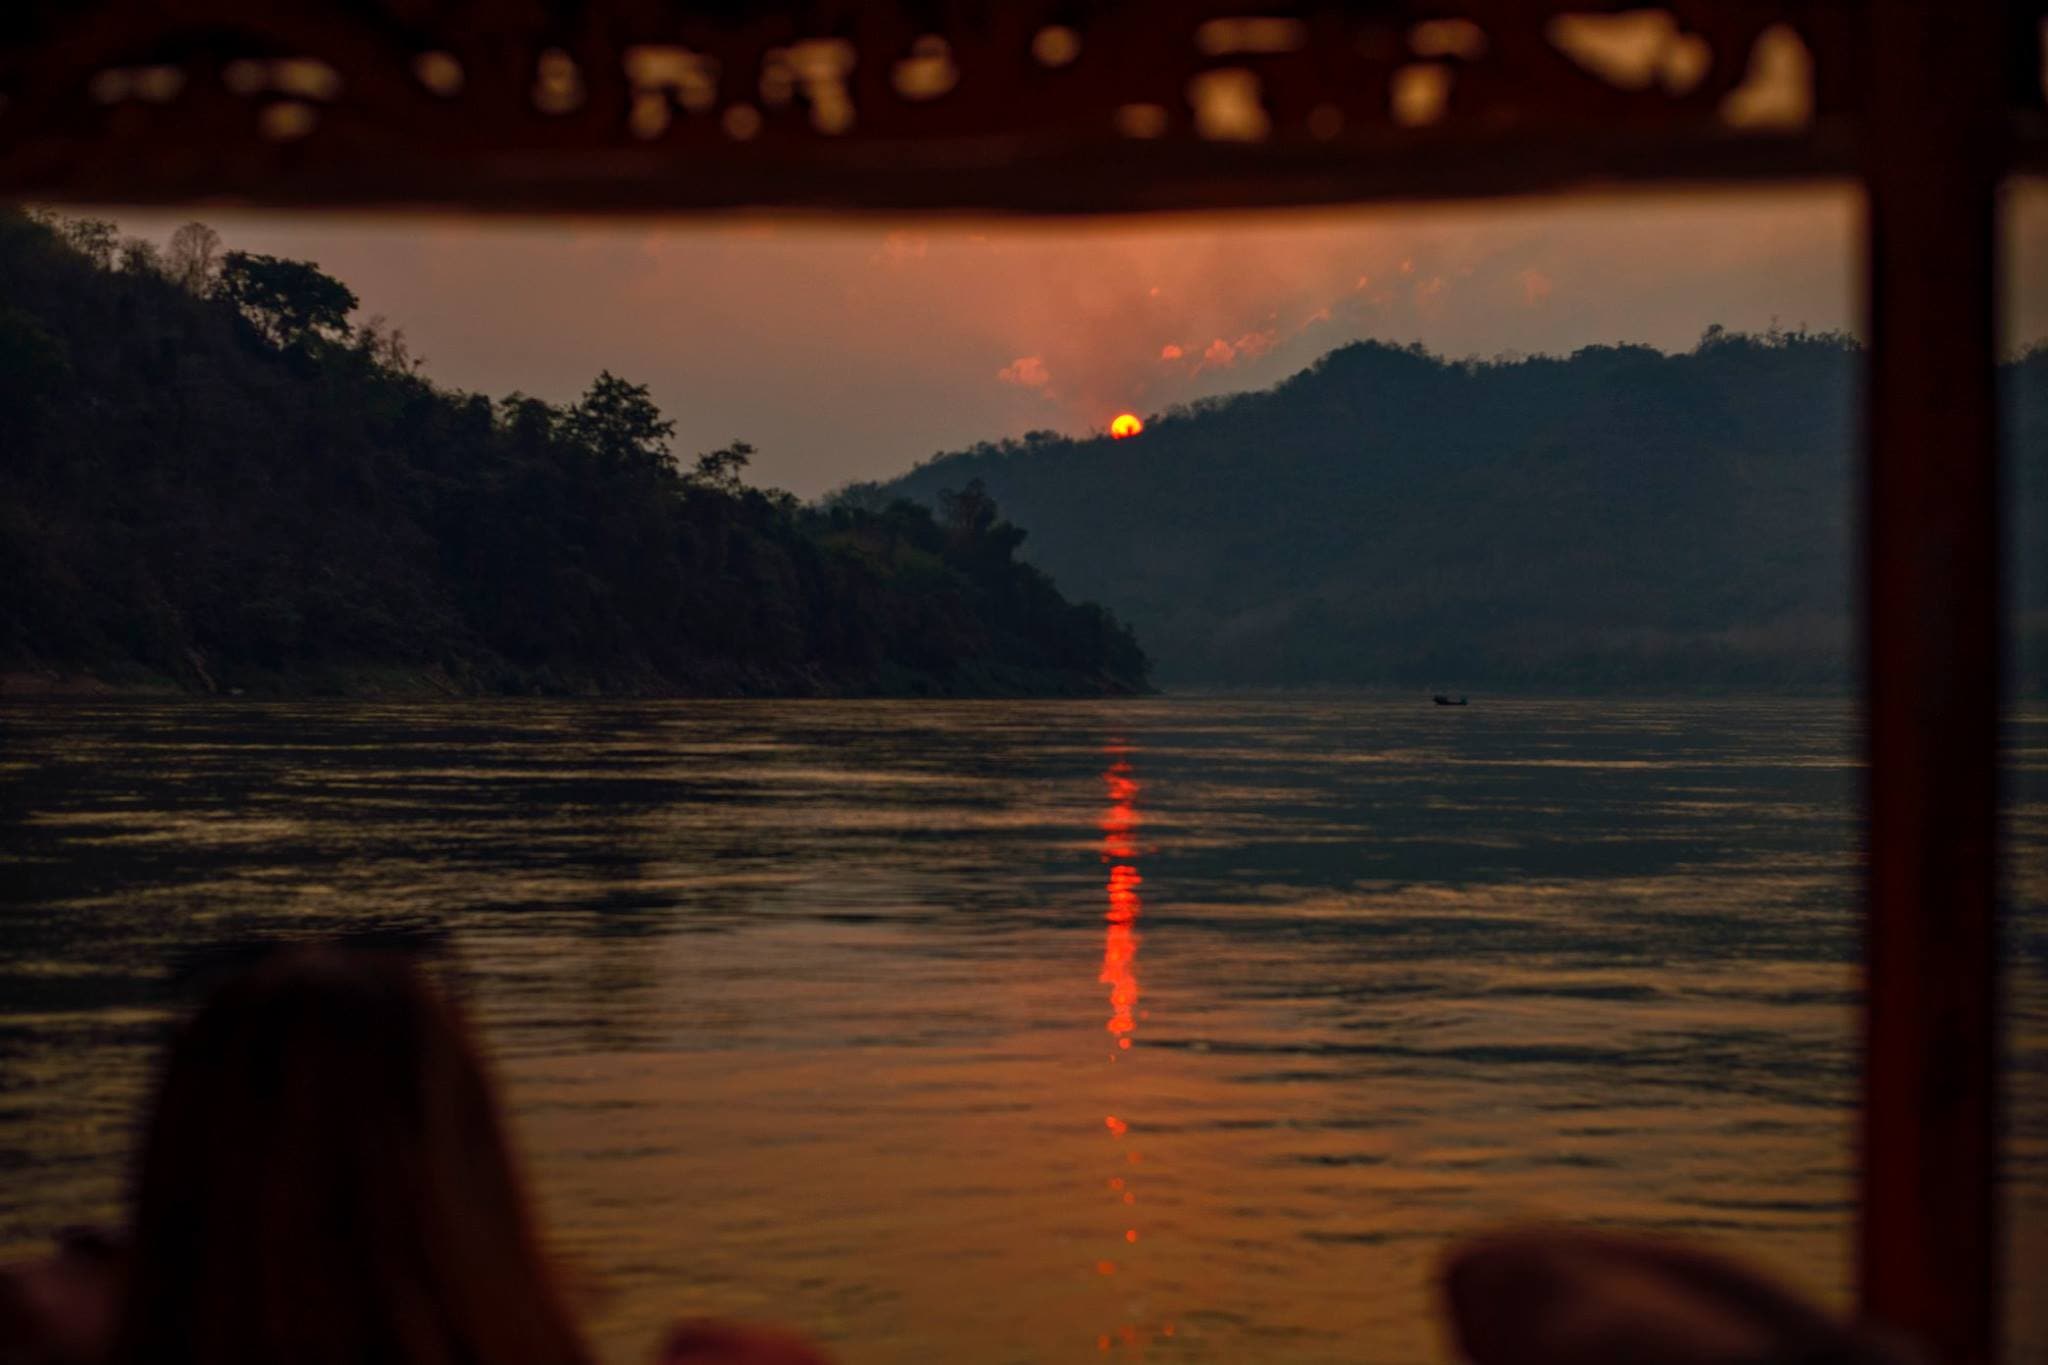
column 194, row 257
column 975, row 530
column 968, row 512
column 140, row 256
column 93, row 238
column 289, row 302
column 33, row 369
column 721, row 469
column 530, row 422
column 182, row 503
column 1620, row 518
column 620, row 425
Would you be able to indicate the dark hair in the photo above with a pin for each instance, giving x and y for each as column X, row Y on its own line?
column 324, row 1181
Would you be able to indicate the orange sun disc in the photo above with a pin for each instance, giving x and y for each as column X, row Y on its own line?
column 1126, row 424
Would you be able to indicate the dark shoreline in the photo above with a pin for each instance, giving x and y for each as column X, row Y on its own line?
column 411, row 684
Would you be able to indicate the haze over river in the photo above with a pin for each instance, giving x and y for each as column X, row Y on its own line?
column 1185, row 1028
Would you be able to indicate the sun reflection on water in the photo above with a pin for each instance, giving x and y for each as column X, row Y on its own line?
column 1119, row 972
column 793, row 1002
column 1120, row 945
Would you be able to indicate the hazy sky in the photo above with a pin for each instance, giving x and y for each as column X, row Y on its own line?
column 851, row 349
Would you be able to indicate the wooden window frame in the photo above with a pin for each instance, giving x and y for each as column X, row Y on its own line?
column 1928, row 104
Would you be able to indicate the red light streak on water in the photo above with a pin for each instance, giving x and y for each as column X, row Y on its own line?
column 1119, row 972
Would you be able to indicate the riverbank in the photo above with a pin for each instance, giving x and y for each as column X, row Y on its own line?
column 395, row 683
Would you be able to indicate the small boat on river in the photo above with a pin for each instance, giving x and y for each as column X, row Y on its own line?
column 1441, row 700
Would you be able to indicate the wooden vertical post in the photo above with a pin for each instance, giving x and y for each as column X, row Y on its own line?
column 1931, row 122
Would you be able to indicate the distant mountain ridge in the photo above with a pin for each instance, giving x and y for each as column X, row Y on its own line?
column 1619, row 519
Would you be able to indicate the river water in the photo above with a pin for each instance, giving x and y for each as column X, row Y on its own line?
column 1185, row 1029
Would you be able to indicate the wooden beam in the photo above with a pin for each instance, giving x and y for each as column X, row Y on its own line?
column 636, row 105
column 1934, row 150
column 625, row 106
column 1127, row 178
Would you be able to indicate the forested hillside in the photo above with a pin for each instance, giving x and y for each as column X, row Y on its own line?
column 212, row 477
column 1620, row 519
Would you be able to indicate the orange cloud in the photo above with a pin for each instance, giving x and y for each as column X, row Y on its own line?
column 1429, row 298
column 1026, row 372
column 1536, row 287
column 1221, row 354
column 1171, row 352
column 893, row 339
column 901, row 248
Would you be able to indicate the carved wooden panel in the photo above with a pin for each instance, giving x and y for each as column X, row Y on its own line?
column 1039, row 104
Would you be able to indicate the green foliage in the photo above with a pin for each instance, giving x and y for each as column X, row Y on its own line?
column 186, row 499
column 621, row 427
column 93, row 238
column 290, row 302
column 975, row 528
column 193, row 260
column 724, row 468
column 140, row 256
column 968, row 512
column 384, row 346
column 33, row 366
column 1617, row 520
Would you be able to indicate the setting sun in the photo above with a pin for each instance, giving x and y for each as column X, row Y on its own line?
column 1126, row 424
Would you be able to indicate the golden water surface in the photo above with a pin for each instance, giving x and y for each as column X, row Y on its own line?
column 1178, row 1029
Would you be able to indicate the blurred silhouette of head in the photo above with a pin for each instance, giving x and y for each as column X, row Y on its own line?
column 324, row 1180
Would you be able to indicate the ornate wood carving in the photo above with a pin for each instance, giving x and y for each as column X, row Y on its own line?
column 1041, row 104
